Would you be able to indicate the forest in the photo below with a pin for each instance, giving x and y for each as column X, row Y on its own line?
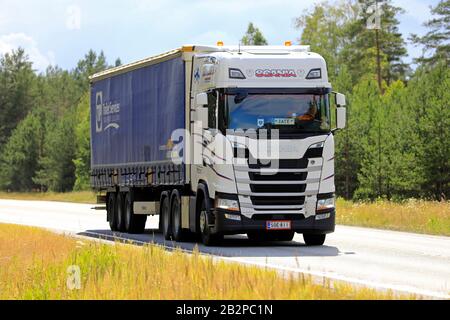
column 396, row 145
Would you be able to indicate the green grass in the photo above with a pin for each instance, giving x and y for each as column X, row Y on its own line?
column 34, row 265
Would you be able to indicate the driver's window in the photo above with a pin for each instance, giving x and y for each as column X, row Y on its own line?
column 212, row 110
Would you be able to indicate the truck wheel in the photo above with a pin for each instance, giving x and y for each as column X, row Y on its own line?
column 208, row 238
column 134, row 223
column 111, row 211
column 314, row 239
column 165, row 216
column 120, row 212
column 177, row 230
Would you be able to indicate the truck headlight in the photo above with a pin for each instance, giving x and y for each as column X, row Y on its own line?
column 227, row 204
column 325, row 204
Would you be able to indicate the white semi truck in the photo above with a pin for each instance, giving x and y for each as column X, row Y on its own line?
column 218, row 140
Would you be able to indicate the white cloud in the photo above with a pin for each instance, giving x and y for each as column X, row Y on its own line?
column 12, row 41
column 73, row 17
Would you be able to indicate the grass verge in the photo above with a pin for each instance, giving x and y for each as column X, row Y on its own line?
column 34, row 265
column 76, row 197
column 429, row 217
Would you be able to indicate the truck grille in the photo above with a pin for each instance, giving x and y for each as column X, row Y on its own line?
column 277, row 201
column 278, row 188
column 282, row 164
column 280, row 176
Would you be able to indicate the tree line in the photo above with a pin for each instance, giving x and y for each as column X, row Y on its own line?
column 396, row 145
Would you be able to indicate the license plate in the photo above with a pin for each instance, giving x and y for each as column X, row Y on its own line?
column 278, row 225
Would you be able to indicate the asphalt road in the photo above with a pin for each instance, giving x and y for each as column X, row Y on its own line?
column 399, row 261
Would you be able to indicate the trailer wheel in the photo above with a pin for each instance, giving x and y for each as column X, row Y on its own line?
column 134, row 223
column 177, row 230
column 314, row 239
column 111, row 211
column 208, row 238
column 165, row 216
column 120, row 212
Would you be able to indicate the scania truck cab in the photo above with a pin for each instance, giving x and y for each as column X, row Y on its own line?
column 256, row 153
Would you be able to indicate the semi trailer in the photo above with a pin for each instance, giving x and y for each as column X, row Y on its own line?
column 218, row 140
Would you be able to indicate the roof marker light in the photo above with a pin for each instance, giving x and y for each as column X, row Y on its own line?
column 288, row 43
column 220, row 43
column 236, row 74
column 314, row 74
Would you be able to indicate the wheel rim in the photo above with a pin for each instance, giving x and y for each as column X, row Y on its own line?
column 203, row 221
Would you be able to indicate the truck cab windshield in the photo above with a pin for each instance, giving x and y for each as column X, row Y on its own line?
column 288, row 112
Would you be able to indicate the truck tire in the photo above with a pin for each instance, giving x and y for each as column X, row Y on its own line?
column 314, row 239
column 208, row 238
column 177, row 230
column 120, row 212
column 111, row 211
column 134, row 223
column 165, row 218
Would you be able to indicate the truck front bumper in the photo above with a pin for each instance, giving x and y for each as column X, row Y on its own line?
column 309, row 225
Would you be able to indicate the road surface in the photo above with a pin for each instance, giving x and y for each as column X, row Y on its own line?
column 400, row 261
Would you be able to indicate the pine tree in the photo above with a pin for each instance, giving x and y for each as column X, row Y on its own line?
column 436, row 41
column 56, row 170
column 17, row 91
column 91, row 64
column 376, row 48
column 253, row 37
column 429, row 95
column 82, row 159
column 365, row 120
column 19, row 160
column 325, row 30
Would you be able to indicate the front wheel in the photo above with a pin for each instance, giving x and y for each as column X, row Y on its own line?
column 208, row 238
column 314, row 239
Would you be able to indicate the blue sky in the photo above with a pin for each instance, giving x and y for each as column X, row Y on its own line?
column 61, row 32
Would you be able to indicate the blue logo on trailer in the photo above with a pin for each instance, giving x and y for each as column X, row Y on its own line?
column 197, row 75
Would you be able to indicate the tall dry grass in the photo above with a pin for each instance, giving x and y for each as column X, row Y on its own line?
column 430, row 217
column 34, row 265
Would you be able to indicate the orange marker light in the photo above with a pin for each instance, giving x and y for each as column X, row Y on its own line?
column 288, row 43
column 220, row 43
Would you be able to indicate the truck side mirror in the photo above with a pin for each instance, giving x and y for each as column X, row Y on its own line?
column 340, row 100
column 341, row 117
column 202, row 99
